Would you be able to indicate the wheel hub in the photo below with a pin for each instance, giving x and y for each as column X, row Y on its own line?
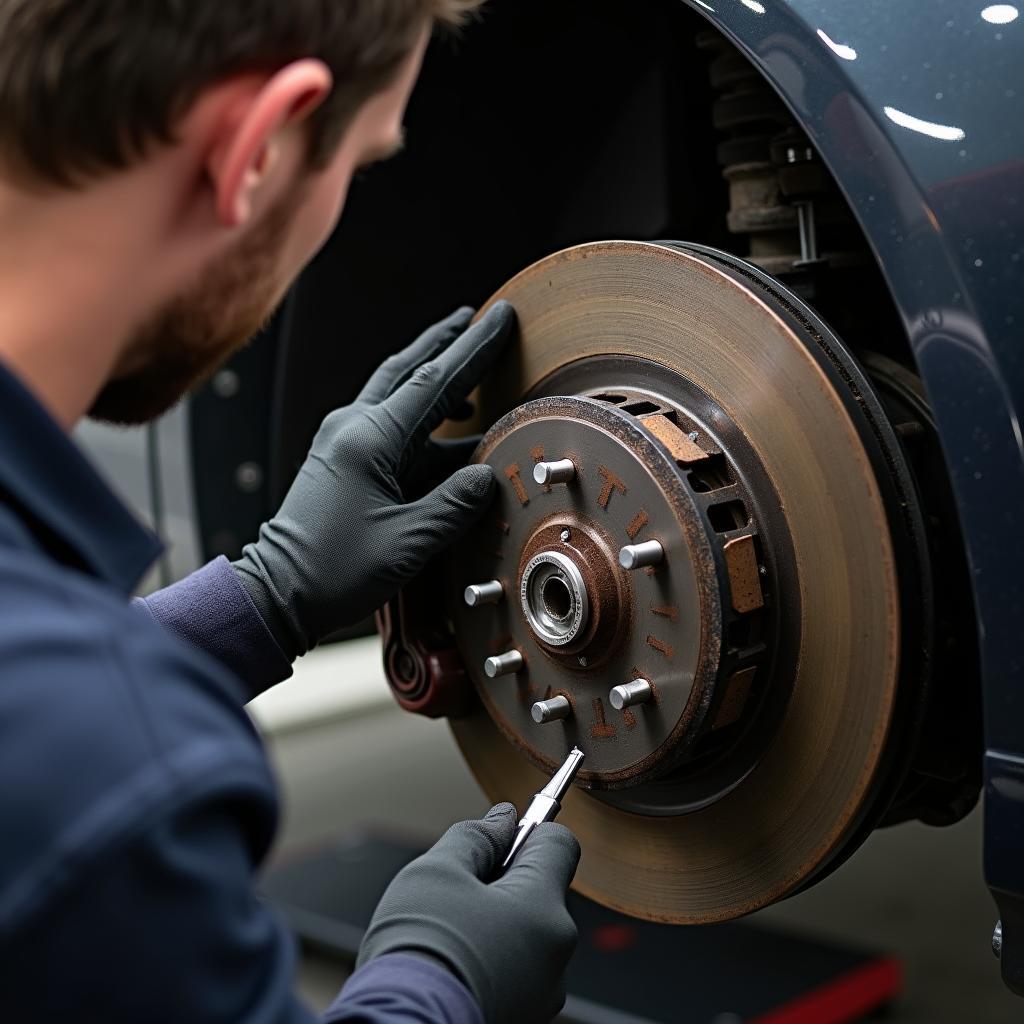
column 640, row 480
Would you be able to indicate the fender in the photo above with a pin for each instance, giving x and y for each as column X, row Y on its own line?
column 915, row 110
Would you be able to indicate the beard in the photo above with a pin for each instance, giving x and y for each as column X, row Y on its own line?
column 186, row 341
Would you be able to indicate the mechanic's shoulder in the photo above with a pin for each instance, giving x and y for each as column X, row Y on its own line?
column 110, row 726
column 103, row 668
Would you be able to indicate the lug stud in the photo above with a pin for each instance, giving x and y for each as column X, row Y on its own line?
column 506, row 664
column 552, row 710
column 628, row 695
column 638, row 556
column 561, row 472
column 484, row 593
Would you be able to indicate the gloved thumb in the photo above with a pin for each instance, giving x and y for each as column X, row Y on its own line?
column 479, row 846
column 546, row 864
column 452, row 507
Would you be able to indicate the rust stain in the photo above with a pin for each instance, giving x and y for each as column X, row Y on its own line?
column 659, row 645
column 744, row 577
column 666, row 611
column 512, row 475
column 680, row 447
column 537, row 454
column 601, row 729
column 611, row 484
column 629, row 718
column 737, row 690
column 636, row 524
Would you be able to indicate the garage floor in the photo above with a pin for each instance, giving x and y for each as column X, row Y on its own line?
column 911, row 891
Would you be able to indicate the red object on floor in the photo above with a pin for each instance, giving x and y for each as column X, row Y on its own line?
column 846, row 999
column 613, row 938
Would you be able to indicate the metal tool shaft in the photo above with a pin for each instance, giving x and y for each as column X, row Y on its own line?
column 547, row 803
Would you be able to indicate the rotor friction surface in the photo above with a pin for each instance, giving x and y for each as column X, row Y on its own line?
column 771, row 834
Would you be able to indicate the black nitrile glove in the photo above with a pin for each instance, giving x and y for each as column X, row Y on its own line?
column 346, row 537
column 509, row 940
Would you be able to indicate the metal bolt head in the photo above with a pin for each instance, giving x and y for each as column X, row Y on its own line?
column 226, row 384
column 477, row 594
column 583, row 661
column 561, row 472
column 249, row 477
column 503, row 664
column 565, row 535
column 639, row 556
column 628, row 695
column 552, row 710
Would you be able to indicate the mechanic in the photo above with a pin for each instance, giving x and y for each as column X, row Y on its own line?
column 166, row 170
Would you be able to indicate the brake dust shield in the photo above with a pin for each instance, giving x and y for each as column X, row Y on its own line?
column 699, row 408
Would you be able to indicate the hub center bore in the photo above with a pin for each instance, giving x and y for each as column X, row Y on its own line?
column 554, row 598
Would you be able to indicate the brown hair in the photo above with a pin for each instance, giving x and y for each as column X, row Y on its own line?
column 86, row 86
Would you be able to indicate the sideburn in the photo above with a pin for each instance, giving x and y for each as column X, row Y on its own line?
column 184, row 343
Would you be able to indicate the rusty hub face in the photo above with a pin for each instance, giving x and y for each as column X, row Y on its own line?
column 694, row 625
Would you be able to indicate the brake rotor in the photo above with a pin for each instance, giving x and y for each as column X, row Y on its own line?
column 700, row 425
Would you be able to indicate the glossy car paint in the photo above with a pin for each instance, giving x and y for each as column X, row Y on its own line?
column 916, row 108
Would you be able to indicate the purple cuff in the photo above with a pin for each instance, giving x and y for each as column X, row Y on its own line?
column 402, row 989
column 211, row 610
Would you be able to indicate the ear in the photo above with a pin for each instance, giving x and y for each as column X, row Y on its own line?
column 249, row 138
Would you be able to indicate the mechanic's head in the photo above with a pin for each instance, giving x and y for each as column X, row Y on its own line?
column 209, row 144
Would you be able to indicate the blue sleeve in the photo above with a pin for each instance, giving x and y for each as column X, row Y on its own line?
column 167, row 928
column 212, row 611
column 403, row 989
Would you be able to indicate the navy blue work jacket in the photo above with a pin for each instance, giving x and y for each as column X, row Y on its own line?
column 136, row 801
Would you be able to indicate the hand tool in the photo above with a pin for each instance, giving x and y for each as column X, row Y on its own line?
column 547, row 803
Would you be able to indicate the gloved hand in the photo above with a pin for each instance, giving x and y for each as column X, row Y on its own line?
column 508, row 940
column 345, row 538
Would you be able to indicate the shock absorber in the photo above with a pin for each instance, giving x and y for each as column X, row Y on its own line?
column 781, row 196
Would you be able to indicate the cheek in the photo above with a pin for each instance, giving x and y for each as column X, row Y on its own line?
column 319, row 213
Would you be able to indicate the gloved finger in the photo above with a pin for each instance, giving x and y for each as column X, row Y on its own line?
column 439, row 458
column 439, row 386
column 546, row 864
column 397, row 368
column 437, row 520
column 479, row 846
